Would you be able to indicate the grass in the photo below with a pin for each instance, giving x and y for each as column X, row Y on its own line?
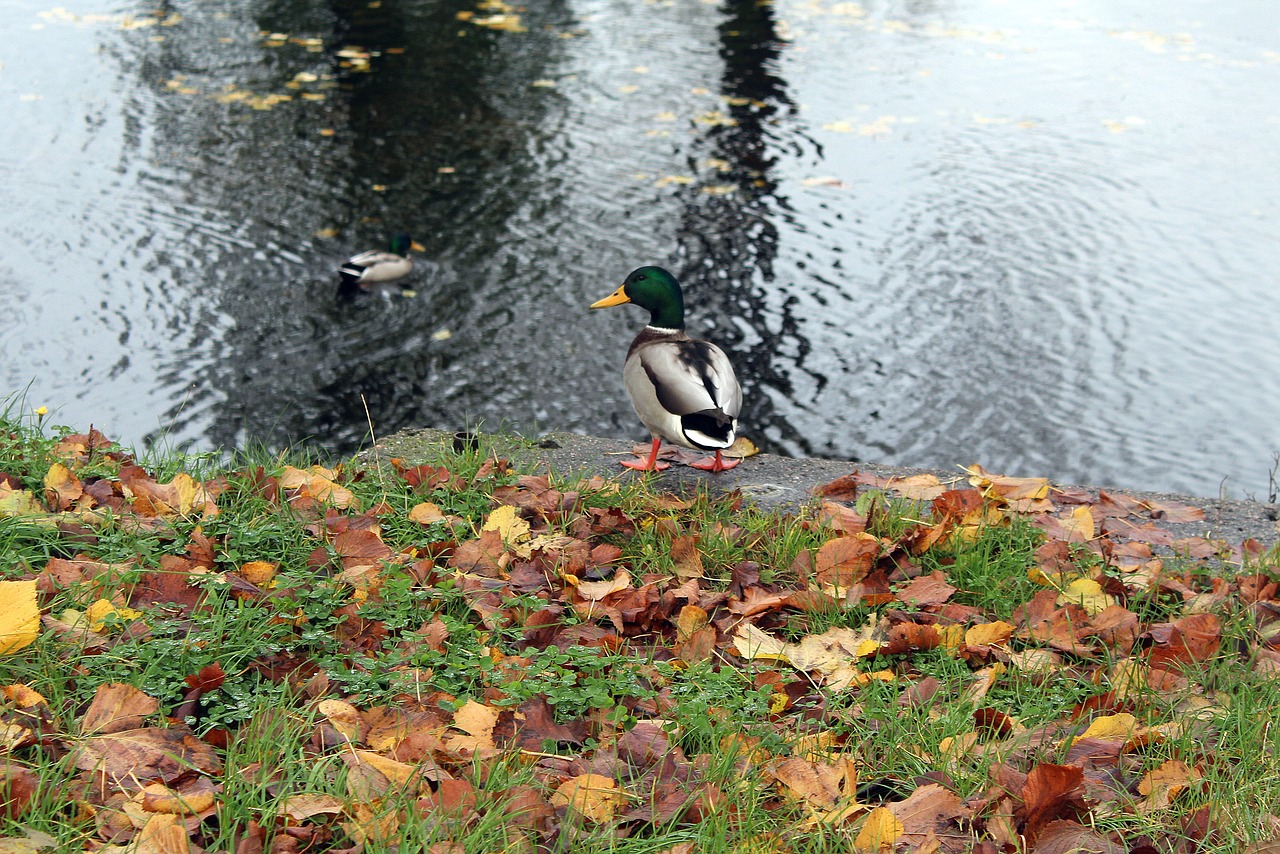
column 375, row 656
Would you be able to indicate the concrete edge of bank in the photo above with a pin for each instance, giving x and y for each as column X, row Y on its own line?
column 781, row 483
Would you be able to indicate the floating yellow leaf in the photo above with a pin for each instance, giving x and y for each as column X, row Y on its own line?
column 19, row 615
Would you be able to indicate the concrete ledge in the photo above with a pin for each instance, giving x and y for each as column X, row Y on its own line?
column 782, row 483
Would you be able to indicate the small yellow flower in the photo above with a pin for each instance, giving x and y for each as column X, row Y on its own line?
column 42, row 411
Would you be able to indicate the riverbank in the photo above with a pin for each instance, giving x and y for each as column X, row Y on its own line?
column 775, row 482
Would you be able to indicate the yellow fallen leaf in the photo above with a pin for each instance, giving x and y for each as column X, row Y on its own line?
column 1112, row 727
column 17, row 502
column 19, row 615
column 258, row 572
column 22, row 696
column 880, row 831
column 509, row 525
column 1080, row 526
column 988, row 634
column 343, row 717
column 426, row 513
column 97, row 615
column 592, row 796
column 303, row 806
column 159, row 798
column 597, row 590
column 752, row 642
column 1088, row 594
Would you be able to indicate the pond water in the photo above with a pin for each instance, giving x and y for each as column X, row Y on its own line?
column 1038, row 236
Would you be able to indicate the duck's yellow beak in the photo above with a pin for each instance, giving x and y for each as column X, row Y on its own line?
column 618, row 297
column 417, row 247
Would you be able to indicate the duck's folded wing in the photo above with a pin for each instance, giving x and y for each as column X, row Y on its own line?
column 691, row 376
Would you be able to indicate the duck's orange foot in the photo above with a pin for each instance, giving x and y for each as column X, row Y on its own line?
column 640, row 464
column 714, row 464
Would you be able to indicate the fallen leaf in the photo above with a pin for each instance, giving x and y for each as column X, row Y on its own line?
column 593, row 796
column 879, row 832
column 19, row 615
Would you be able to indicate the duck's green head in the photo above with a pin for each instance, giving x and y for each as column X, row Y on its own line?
column 402, row 243
column 652, row 288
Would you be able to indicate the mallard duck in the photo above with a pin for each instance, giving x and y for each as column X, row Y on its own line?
column 378, row 266
column 683, row 389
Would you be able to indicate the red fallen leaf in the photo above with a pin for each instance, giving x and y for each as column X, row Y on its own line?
column 812, row 602
column 1147, row 532
column 645, row 745
column 128, row 757
column 993, row 721
column 926, row 590
column 360, row 548
column 18, row 786
column 846, row 520
column 454, row 799
column 1173, row 512
column 955, row 504
column 756, row 600
column 201, row 549
column 745, row 574
column 1196, row 547
column 522, row 806
column 169, row 584
column 844, row 488
column 210, row 678
column 1094, row 752
column 1116, row 627
column 117, row 707
column 356, row 632
column 668, row 802
column 1117, row 505
column 845, row 560
column 1069, row 837
column 1197, row 824
column 931, row 810
column 602, row 521
column 920, row 693
column 426, row 478
column 1051, row 792
column 482, row 556
column 532, row 725
column 909, row 637
column 685, row 556
column 1190, row 639
column 1257, row 587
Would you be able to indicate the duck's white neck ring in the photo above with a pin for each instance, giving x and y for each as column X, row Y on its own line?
column 662, row 330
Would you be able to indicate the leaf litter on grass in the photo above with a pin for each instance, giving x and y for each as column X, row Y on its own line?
column 470, row 659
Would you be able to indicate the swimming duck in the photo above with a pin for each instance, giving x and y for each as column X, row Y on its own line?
column 683, row 389
column 377, row 266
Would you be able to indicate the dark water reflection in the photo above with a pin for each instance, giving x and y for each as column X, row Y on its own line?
column 929, row 233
